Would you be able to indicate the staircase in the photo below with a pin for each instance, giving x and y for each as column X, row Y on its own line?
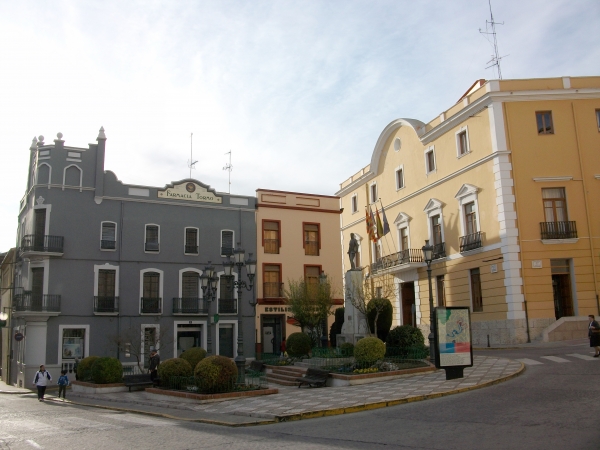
column 284, row 375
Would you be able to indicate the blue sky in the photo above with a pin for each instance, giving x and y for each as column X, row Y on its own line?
column 299, row 91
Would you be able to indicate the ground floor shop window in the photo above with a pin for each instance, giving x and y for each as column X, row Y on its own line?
column 188, row 336
column 73, row 344
column 226, row 340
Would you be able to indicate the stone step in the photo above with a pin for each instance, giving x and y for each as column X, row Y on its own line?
column 272, row 381
column 297, row 371
column 283, row 377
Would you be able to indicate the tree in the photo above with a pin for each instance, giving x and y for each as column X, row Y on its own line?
column 310, row 303
column 371, row 288
column 130, row 341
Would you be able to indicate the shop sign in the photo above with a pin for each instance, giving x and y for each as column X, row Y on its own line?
column 191, row 192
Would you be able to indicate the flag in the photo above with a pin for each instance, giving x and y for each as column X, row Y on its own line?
column 379, row 224
column 369, row 225
column 386, row 224
column 374, row 236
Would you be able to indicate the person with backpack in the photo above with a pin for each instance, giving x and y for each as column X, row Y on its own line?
column 41, row 380
column 63, row 382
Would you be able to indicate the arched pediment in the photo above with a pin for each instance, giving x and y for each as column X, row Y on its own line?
column 466, row 189
column 391, row 128
column 433, row 203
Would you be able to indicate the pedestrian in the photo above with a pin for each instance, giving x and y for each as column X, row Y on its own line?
column 594, row 334
column 282, row 348
column 63, row 382
column 75, row 367
column 41, row 380
column 154, row 363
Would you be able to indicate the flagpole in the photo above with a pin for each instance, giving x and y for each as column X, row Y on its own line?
column 392, row 237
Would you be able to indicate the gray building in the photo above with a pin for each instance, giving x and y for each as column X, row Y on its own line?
column 110, row 269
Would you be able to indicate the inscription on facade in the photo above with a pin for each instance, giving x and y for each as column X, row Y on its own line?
column 191, row 192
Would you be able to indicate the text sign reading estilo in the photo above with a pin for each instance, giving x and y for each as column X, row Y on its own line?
column 190, row 192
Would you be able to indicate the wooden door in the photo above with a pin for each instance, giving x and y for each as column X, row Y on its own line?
column 408, row 303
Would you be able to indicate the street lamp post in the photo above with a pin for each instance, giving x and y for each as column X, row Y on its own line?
column 208, row 282
column 239, row 262
column 323, row 281
column 428, row 257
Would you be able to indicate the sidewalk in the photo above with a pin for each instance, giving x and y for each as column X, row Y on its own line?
column 292, row 403
column 8, row 389
column 534, row 344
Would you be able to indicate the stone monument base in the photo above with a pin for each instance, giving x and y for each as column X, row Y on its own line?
column 352, row 338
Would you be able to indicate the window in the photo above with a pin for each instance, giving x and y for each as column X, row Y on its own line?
column 271, row 236
column 379, row 292
column 106, row 283
column 399, row 178
column 311, row 274
column 191, row 241
column 476, row 290
column 462, row 142
column 152, row 238
column 555, row 204
column 374, row 193
column 73, row 343
column 151, row 285
column 598, row 118
column 272, row 281
column 544, row 122
column 311, row 239
column 190, row 285
column 151, row 296
column 404, row 238
column 106, row 290
column 441, row 290
column 430, row 161
column 226, row 243
column 227, row 301
column 354, row 203
column 108, row 236
column 470, row 218
column 436, row 229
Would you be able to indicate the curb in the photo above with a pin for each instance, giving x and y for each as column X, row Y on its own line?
column 384, row 404
column 496, row 348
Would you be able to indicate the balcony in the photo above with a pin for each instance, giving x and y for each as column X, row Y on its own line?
column 226, row 251
column 558, row 230
column 470, row 242
column 271, row 246
column 193, row 249
column 273, row 290
column 41, row 245
column 30, row 302
column 190, row 305
column 408, row 256
column 227, row 306
column 151, row 305
column 439, row 250
column 106, row 305
column 108, row 244
column 152, row 247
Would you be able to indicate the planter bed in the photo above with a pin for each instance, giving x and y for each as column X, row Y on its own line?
column 91, row 388
column 352, row 379
column 211, row 397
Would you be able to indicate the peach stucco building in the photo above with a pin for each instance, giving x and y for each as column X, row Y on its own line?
column 298, row 237
column 506, row 185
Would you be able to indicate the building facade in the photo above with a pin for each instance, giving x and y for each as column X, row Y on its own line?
column 503, row 184
column 297, row 238
column 109, row 269
column 6, row 291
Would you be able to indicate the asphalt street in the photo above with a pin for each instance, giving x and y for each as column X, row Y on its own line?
column 553, row 405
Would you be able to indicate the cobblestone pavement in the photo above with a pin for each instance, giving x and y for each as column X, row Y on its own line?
column 290, row 402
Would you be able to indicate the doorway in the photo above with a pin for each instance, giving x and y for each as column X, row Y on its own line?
column 226, row 340
column 271, row 334
column 561, row 288
column 188, row 336
column 407, row 293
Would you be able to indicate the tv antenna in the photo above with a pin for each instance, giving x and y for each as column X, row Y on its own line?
column 490, row 30
column 228, row 167
column 191, row 163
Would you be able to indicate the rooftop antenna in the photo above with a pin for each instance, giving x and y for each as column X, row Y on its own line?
column 491, row 25
column 229, row 168
column 191, row 163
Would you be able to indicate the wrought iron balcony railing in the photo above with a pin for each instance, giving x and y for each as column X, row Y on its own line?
column 39, row 243
column 272, row 246
column 190, row 305
column 227, row 251
column 272, row 290
column 470, row 242
column 108, row 244
column 439, row 250
column 27, row 301
column 103, row 304
column 151, row 305
column 558, row 230
column 152, row 247
column 191, row 249
column 410, row 255
column 227, row 306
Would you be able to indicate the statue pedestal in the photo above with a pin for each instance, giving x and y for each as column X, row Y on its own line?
column 355, row 323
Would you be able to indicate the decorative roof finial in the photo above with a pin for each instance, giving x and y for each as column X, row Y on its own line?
column 33, row 144
column 101, row 134
column 40, row 140
column 59, row 135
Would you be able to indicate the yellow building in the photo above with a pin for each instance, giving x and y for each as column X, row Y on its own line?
column 506, row 185
column 298, row 238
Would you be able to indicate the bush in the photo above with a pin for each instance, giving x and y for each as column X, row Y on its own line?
column 194, row 355
column 216, row 374
column 107, row 370
column 347, row 349
column 369, row 350
column 336, row 327
column 84, row 368
column 384, row 321
column 174, row 367
column 405, row 336
column 298, row 344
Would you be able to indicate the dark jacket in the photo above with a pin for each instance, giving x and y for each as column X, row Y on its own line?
column 595, row 325
column 154, row 362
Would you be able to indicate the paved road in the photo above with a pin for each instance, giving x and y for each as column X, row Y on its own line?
column 553, row 405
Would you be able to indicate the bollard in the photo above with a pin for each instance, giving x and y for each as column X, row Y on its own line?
column 488, row 340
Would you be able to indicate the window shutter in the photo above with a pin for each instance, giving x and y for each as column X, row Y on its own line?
column 108, row 232
column 189, row 285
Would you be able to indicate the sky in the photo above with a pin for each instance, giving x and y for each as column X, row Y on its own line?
column 298, row 91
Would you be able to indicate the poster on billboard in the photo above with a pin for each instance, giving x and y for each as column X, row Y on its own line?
column 453, row 337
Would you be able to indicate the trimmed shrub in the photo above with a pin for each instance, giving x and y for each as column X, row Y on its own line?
column 194, row 355
column 298, row 344
column 384, row 321
column 369, row 350
column 405, row 336
column 84, row 368
column 107, row 370
column 347, row 349
column 174, row 367
column 216, row 374
column 336, row 327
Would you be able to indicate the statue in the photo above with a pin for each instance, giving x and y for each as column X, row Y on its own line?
column 352, row 251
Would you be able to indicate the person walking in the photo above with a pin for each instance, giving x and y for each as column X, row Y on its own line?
column 41, row 380
column 63, row 382
column 154, row 363
column 594, row 334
